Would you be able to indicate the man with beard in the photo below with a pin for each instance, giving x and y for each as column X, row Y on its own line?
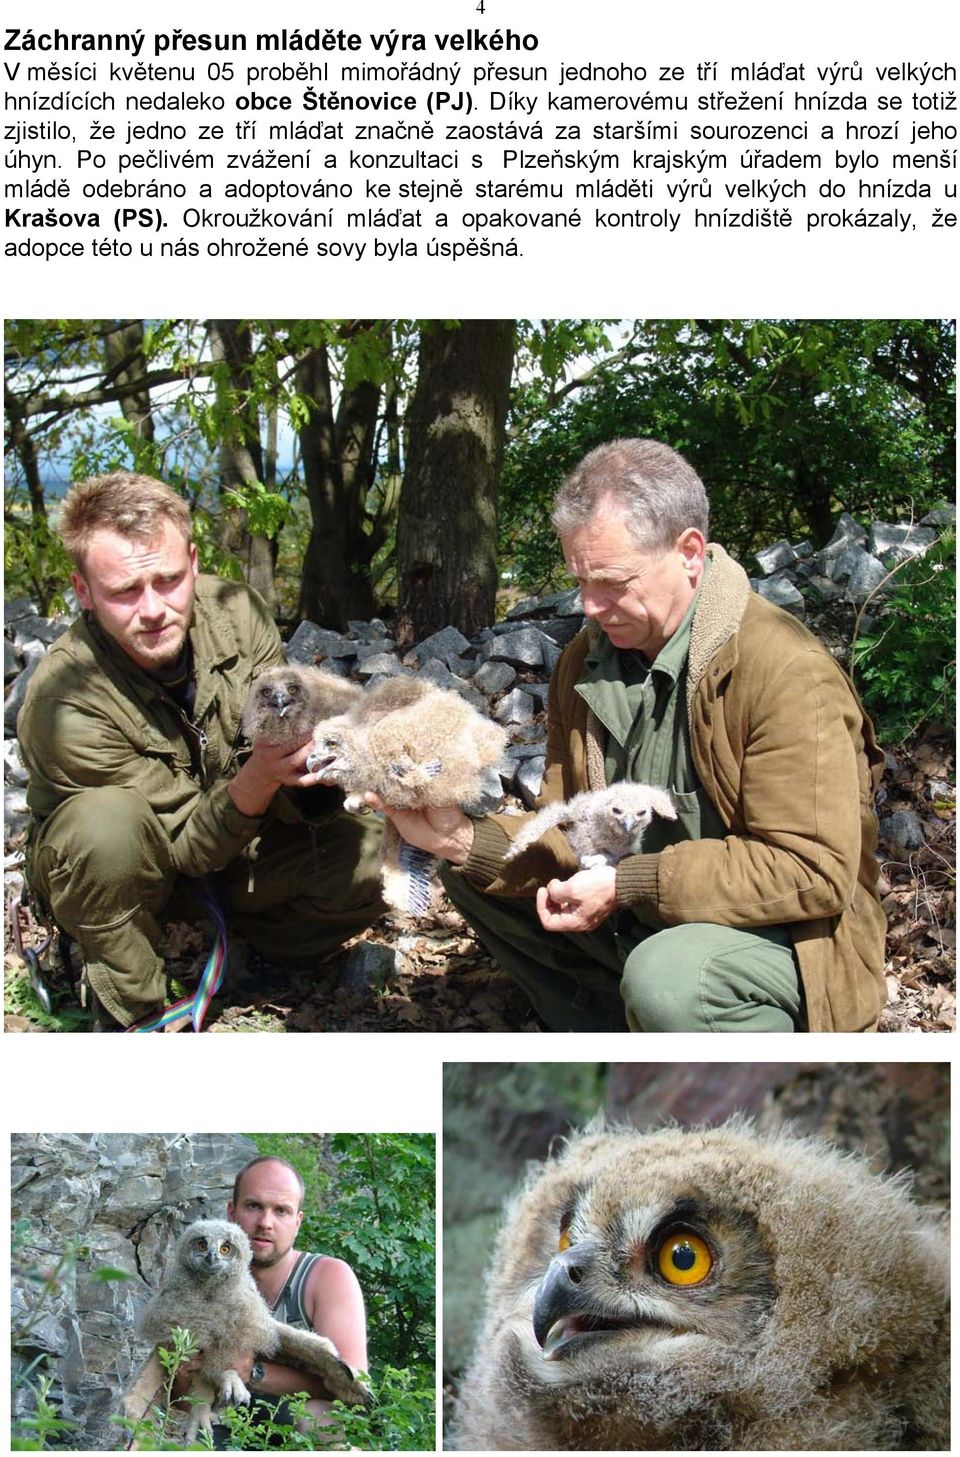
column 312, row 1292
column 139, row 783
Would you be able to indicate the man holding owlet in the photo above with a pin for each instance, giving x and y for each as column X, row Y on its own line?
column 138, row 783
column 311, row 1292
column 755, row 908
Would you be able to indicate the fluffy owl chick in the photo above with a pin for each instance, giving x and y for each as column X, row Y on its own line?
column 602, row 825
column 711, row 1289
column 211, row 1292
column 284, row 704
column 415, row 746
column 428, row 751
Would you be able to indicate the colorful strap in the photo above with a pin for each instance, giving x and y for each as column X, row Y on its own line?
column 198, row 1004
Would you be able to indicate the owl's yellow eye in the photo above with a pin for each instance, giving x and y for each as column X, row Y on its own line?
column 564, row 1241
column 225, row 1249
column 684, row 1258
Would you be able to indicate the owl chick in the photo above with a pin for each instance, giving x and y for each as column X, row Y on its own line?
column 211, row 1292
column 692, row 1289
column 602, row 825
column 285, row 703
column 416, row 747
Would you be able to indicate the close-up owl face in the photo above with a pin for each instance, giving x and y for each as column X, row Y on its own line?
column 279, row 693
column 213, row 1247
column 330, row 753
column 710, row 1289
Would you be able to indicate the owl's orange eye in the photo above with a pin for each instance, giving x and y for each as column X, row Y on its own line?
column 684, row 1258
column 564, row 1241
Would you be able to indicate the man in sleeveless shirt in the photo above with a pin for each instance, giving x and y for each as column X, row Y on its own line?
column 314, row 1292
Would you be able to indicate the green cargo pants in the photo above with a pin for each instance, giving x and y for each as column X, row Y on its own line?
column 693, row 978
column 103, row 864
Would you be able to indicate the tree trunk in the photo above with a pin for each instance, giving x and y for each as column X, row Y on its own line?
column 123, row 351
column 447, row 522
column 337, row 456
column 241, row 456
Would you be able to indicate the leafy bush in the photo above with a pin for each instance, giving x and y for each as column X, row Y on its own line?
column 906, row 666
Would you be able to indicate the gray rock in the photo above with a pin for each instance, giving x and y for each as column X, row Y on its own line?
column 517, row 707
column 781, row 592
column 529, row 778
column 366, row 650
column 123, row 1198
column 518, row 752
column 494, row 677
column 847, row 530
column 12, row 661
column 538, row 691
column 19, row 610
column 941, row 516
column 368, row 966
column 893, row 544
column 384, row 663
column 45, row 630
column 902, row 830
column 18, row 692
column 529, row 607
column 823, row 589
column 861, row 572
column 940, row 789
column 16, row 815
column 772, row 558
column 435, row 672
column 14, row 770
column 525, row 647
column 310, row 643
column 559, row 604
column 449, row 642
column 566, row 604
column 490, row 797
column 371, row 631
column 561, row 630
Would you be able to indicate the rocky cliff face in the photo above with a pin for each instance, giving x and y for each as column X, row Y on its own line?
column 119, row 1200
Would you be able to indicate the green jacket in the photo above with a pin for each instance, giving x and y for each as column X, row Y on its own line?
column 788, row 757
column 91, row 718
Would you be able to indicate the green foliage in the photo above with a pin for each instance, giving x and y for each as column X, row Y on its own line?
column 45, row 1429
column 403, row 1418
column 380, row 1217
column 266, row 510
column 371, row 1201
column 906, row 666
column 788, row 422
column 35, row 564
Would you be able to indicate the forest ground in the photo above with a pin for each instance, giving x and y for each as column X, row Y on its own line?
column 447, row 983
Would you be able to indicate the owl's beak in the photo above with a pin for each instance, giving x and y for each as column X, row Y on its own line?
column 561, row 1292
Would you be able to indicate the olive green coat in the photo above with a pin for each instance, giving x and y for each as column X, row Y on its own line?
column 92, row 718
column 786, row 754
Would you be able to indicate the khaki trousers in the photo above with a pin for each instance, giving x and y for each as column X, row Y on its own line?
column 693, row 978
column 103, row 864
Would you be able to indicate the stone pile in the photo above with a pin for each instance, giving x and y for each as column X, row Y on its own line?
column 505, row 669
column 120, row 1200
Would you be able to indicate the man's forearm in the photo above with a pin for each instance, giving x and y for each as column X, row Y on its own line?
column 280, row 1380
